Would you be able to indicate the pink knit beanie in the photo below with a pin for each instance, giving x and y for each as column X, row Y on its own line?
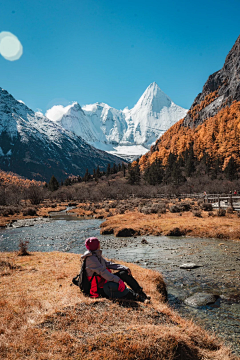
column 92, row 243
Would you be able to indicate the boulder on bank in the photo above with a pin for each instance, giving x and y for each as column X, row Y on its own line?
column 175, row 232
column 106, row 231
column 201, row 299
column 189, row 266
column 125, row 232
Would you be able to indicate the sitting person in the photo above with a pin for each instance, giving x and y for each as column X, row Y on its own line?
column 105, row 283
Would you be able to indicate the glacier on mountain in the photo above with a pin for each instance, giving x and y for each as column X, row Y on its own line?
column 128, row 133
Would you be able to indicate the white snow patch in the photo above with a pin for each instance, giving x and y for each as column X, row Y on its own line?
column 130, row 152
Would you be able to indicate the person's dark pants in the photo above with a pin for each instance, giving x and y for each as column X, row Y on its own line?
column 110, row 288
column 129, row 280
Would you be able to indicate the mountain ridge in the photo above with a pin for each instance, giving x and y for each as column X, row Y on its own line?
column 124, row 130
column 222, row 87
column 34, row 147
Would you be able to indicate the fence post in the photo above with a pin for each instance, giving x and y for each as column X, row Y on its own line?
column 218, row 202
column 231, row 201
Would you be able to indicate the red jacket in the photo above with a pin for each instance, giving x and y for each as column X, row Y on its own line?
column 97, row 282
column 95, row 263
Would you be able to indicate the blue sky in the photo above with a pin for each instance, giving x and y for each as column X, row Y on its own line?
column 110, row 51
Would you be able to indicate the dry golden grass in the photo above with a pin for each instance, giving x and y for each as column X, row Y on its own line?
column 43, row 317
column 227, row 227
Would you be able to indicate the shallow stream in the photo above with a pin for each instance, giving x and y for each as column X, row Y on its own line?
column 219, row 273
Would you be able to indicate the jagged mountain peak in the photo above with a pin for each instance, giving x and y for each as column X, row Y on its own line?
column 234, row 54
column 153, row 98
column 58, row 111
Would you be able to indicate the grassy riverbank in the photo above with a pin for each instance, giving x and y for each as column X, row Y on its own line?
column 43, row 317
column 158, row 217
column 135, row 223
column 10, row 214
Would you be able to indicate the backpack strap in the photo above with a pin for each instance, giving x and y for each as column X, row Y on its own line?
column 94, row 274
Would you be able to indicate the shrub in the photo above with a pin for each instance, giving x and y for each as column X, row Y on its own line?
column 23, row 248
column 2, row 197
column 162, row 209
column 197, row 213
column 186, row 206
column 113, row 204
column 121, row 210
column 230, row 210
column 206, row 206
column 29, row 212
column 200, row 202
column 221, row 212
column 35, row 194
column 146, row 210
column 175, row 209
column 9, row 210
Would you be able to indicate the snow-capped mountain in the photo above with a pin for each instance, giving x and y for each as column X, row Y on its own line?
column 128, row 133
column 33, row 146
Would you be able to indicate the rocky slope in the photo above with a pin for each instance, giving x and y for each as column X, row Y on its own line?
column 221, row 89
column 35, row 147
column 129, row 132
column 212, row 125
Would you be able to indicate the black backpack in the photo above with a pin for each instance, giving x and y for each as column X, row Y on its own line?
column 82, row 281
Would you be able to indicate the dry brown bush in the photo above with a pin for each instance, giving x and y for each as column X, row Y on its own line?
column 29, row 212
column 221, row 212
column 175, row 209
column 23, row 248
column 9, row 210
column 206, row 206
column 197, row 213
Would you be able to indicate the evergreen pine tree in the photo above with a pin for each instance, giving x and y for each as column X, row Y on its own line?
column 98, row 173
column 216, row 168
column 190, row 162
column 154, row 173
column 108, row 169
column 231, row 169
column 134, row 176
column 53, row 184
column 67, row 182
column 87, row 176
column 172, row 158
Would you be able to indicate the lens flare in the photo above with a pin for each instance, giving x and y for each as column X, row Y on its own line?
column 10, row 47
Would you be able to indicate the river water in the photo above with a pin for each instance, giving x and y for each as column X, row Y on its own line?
column 219, row 273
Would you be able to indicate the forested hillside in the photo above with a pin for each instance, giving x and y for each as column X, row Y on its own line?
column 207, row 140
